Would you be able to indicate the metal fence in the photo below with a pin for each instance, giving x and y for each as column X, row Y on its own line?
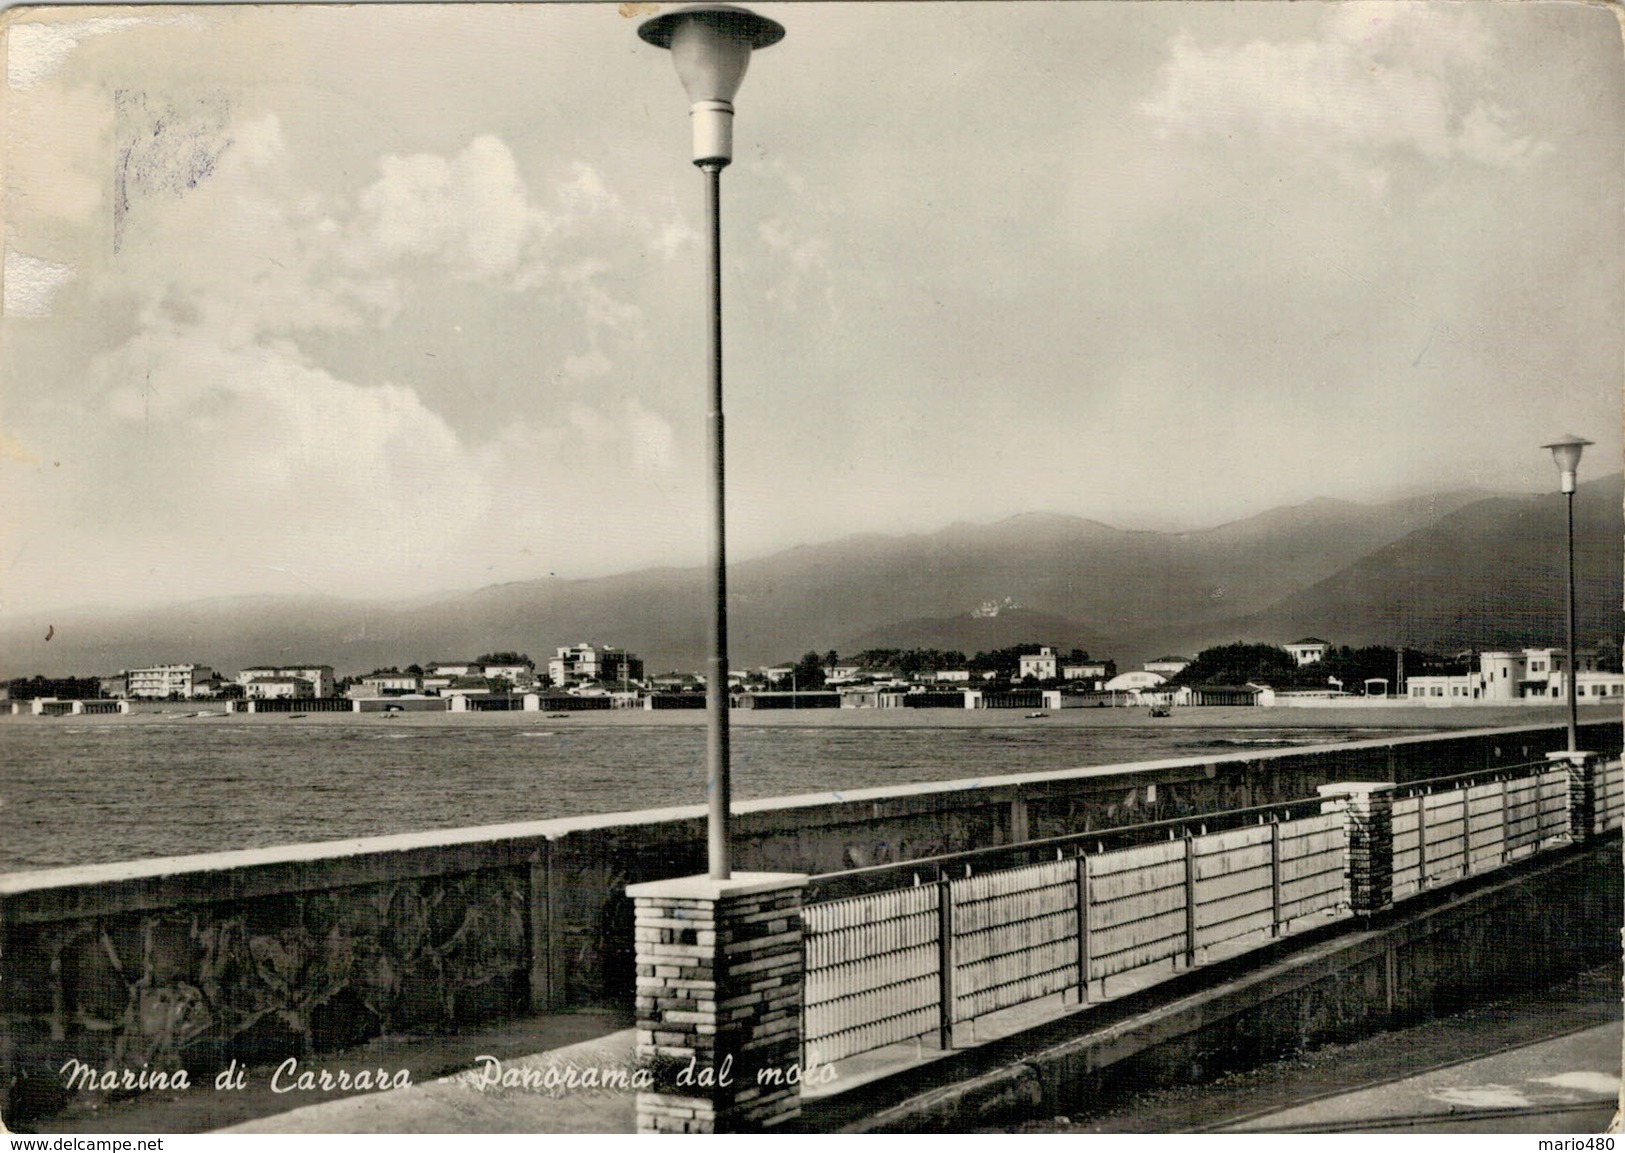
column 1610, row 797
column 975, row 933
column 911, row 950
column 1449, row 828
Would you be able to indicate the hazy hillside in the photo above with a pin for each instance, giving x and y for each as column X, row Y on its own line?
column 1488, row 575
column 972, row 633
column 1459, row 563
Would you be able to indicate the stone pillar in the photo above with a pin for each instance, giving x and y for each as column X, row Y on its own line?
column 719, row 1000
column 1368, row 808
column 1583, row 770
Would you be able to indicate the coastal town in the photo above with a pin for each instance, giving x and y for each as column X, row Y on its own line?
column 1308, row 672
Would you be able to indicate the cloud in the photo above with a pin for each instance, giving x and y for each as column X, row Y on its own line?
column 470, row 211
column 1379, row 77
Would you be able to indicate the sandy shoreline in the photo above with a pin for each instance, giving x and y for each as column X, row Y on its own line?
column 1333, row 717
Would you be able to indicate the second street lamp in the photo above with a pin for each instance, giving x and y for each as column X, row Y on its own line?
column 711, row 46
column 1566, row 453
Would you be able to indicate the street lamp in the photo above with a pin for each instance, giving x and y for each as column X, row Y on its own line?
column 711, row 46
column 1566, row 453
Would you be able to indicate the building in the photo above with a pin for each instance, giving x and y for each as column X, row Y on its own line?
column 1135, row 683
column 391, row 684
column 1307, row 651
column 520, row 674
column 1095, row 673
column 1528, row 675
column 276, row 688
column 159, row 682
column 584, row 662
column 456, row 669
column 114, row 686
column 1044, row 665
column 322, row 683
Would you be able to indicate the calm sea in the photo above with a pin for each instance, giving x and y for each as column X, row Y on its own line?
column 78, row 793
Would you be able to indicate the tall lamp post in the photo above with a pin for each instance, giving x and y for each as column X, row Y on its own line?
column 1566, row 452
column 711, row 46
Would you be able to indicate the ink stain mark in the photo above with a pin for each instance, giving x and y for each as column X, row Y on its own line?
column 50, row 631
column 163, row 148
column 632, row 8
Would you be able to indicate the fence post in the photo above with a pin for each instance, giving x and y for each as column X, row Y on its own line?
column 1583, row 771
column 1190, row 900
column 1275, row 878
column 945, row 962
column 719, row 1001
column 1083, row 927
column 1368, row 808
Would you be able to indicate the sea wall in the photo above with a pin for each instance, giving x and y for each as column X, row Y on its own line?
column 256, row 955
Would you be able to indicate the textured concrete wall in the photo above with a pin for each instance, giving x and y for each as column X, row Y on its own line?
column 298, row 950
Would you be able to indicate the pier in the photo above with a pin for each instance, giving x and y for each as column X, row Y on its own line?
column 928, row 929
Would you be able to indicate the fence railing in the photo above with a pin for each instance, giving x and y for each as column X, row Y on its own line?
column 973, row 934
column 912, row 950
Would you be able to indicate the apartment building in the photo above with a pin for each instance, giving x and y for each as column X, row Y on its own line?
column 573, row 664
column 159, row 682
column 320, row 677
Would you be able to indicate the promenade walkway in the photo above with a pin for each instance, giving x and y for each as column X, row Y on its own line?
column 1542, row 1063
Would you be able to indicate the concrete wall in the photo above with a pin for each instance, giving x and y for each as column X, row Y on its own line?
column 267, row 953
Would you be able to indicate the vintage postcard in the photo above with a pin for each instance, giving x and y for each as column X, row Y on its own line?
column 1005, row 567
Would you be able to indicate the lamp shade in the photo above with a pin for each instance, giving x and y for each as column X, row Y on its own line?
column 1566, row 452
column 711, row 46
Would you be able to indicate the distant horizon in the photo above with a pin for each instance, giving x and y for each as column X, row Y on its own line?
column 10, row 616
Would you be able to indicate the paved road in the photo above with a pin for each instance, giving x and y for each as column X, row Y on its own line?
column 1569, row 1084
column 1546, row 1063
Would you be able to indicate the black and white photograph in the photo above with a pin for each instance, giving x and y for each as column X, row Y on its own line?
column 1026, row 567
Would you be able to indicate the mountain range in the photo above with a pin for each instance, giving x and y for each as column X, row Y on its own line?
column 1457, row 570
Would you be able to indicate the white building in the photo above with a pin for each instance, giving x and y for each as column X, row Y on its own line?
column 276, row 688
column 521, row 676
column 1307, row 651
column 162, row 681
column 1043, row 665
column 382, row 684
column 1529, row 675
column 584, row 662
column 1136, row 683
column 322, row 683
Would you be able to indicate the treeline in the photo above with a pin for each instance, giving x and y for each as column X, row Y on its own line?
column 1341, row 667
column 62, row 688
column 812, row 670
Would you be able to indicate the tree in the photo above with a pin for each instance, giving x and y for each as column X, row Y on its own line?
column 505, row 658
column 809, row 672
column 1240, row 663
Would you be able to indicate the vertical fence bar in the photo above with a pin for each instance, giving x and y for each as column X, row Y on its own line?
column 1275, row 878
column 945, row 962
column 1083, row 928
column 1421, row 841
column 1190, row 900
column 1506, row 825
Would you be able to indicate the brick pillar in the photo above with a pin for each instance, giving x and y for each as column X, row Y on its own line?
column 720, row 975
column 1368, row 808
column 1583, row 770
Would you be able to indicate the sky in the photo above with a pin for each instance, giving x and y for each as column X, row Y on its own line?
column 379, row 301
